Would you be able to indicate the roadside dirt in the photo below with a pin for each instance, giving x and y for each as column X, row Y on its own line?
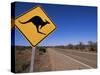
column 42, row 62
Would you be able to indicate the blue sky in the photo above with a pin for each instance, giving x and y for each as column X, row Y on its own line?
column 74, row 23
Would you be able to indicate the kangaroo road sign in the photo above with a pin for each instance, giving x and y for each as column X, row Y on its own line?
column 35, row 25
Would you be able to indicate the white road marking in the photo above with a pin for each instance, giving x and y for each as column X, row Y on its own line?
column 76, row 60
column 83, row 58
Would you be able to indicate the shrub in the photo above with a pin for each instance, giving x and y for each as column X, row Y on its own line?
column 42, row 50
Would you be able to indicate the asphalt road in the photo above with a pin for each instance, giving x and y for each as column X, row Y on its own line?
column 63, row 59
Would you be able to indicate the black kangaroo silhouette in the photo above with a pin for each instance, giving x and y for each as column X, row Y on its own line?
column 37, row 21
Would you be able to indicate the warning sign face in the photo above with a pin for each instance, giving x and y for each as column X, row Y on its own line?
column 35, row 25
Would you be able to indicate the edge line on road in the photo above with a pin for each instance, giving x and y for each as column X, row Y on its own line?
column 76, row 60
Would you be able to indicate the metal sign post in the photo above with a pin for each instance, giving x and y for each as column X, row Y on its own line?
column 31, row 29
column 32, row 59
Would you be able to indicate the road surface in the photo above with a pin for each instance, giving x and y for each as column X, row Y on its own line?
column 62, row 59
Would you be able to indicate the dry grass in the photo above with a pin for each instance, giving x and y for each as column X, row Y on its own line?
column 42, row 62
column 23, row 58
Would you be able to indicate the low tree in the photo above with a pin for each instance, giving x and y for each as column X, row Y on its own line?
column 70, row 46
column 76, row 46
column 92, row 46
column 81, row 46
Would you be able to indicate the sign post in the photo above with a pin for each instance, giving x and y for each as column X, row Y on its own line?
column 32, row 60
column 35, row 25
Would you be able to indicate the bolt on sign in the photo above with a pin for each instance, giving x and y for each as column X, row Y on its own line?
column 35, row 25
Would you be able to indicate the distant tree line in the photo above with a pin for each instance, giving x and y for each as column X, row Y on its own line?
column 22, row 47
column 91, row 46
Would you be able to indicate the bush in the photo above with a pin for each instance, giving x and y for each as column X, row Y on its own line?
column 42, row 50
column 92, row 46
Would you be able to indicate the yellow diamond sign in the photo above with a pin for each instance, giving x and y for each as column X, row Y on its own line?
column 35, row 25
